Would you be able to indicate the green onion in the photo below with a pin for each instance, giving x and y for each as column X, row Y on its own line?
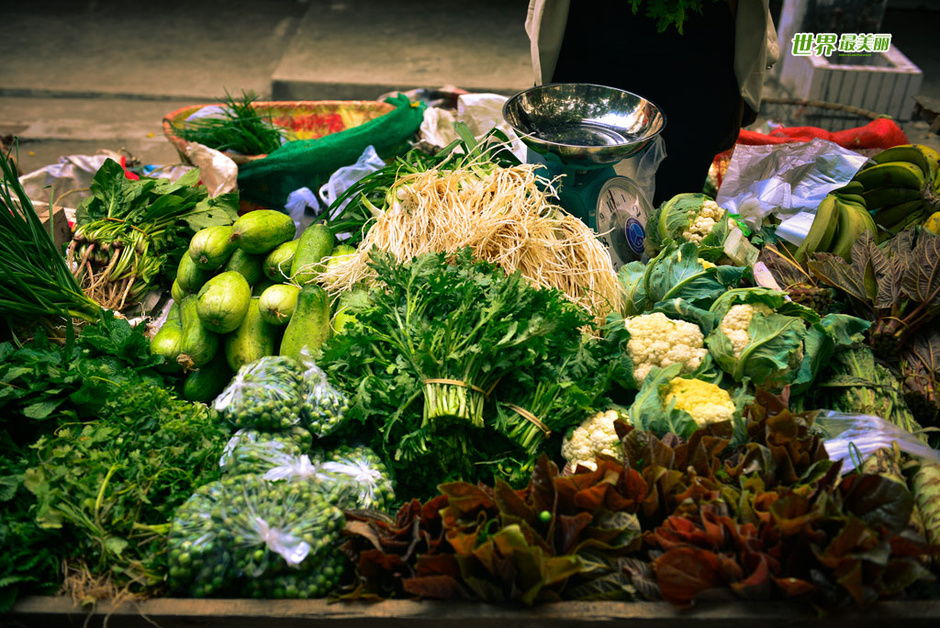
column 35, row 281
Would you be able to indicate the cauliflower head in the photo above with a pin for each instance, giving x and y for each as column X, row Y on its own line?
column 735, row 323
column 704, row 222
column 596, row 435
column 704, row 402
column 656, row 340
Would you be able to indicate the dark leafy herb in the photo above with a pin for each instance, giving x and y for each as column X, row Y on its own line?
column 241, row 128
column 896, row 286
column 114, row 483
column 768, row 520
column 920, row 369
column 42, row 383
column 31, row 557
column 499, row 544
column 668, row 12
column 91, row 403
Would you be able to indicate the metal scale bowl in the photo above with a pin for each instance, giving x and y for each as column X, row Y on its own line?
column 580, row 130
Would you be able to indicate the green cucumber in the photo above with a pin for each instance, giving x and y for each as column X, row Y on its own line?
column 177, row 292
column 349, row 303
column 309, row 326
column 278, row 303
column 198, row 345
column 211, row 247
column 190, row 276
column 262, row 230
column 253, row 340
column 223, row 302
column 315, row 243
column 207, row 382
column 246, row 264
column 166, row 342
column 278, row 262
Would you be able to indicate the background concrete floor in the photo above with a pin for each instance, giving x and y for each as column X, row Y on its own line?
column 77, row 76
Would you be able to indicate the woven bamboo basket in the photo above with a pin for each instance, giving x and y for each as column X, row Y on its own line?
column 303, row 119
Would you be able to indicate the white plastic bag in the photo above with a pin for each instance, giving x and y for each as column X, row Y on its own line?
column 788, row 180
column 641, row 169
column 341, row 180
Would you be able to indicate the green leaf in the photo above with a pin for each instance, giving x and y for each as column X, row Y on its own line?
column 115, row 545
column 678, row 272
column 41, row 409
column 219, row 211
column 649, row 411
column 8, row 486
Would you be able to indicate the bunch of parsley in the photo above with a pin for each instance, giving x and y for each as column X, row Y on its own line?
column 442, row 342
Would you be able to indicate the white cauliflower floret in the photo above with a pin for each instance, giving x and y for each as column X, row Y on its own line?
column 656, row 340
column 596, row 435
column 704, row 222
column 703, row 401
column 735, row 323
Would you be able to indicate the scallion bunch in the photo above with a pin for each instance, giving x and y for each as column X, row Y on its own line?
column 35, row 281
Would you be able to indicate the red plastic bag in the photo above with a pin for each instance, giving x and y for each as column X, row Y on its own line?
column 881, row 134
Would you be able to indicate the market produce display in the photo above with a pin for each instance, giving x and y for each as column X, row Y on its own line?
column 441, row 388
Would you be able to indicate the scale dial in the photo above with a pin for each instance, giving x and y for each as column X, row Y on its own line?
column 620, row 219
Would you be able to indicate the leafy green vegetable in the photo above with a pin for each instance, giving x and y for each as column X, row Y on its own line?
column 241, row 128
column 42, row 382
column 115, row 482
column 920, row 368
column 438, row 337
column 784, row 342
column 498, row 544
column 129, row 233
column 896, row 286
column 35, row 281
column 93, row 403
column 676, row 280
column 31, row 557
column 668, row 12
column 668, row 222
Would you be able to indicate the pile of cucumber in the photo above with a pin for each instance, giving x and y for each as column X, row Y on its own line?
column 243, row 292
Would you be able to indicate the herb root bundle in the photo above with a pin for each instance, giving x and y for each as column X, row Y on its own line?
column 504, row 217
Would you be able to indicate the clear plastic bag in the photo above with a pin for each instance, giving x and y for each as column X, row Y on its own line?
column 324, row 406
column 352, row 478
column 853, row 437
column 251, row 451
column 364, row 471
column 278, row 538
column 344, row 178
column 267, row 395
column 642, row 168
column 200, row 551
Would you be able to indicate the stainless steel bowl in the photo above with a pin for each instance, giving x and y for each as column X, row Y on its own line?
column 583, row 124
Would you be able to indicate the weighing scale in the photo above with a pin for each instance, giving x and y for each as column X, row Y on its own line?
column 580, row 130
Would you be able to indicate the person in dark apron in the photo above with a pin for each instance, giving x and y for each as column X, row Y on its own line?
column 689, row 76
